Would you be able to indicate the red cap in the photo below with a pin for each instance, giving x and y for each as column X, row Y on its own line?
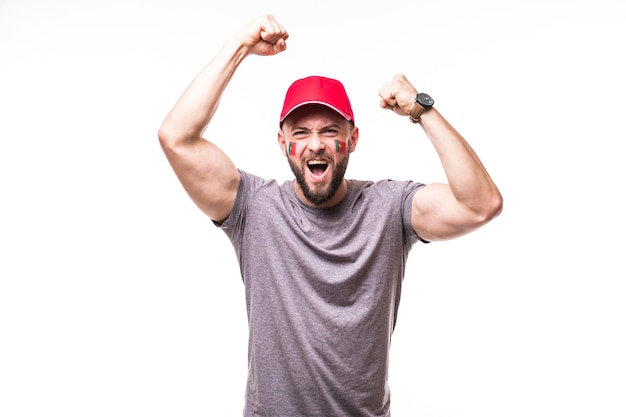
column 317, row 90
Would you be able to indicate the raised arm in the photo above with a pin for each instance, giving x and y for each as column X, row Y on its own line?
column 207, row 174
column 470, row 199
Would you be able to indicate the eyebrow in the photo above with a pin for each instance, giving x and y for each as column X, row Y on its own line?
column 325, row 127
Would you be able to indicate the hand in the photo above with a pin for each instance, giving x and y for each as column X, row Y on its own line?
column 398, row 95
column 264, row 36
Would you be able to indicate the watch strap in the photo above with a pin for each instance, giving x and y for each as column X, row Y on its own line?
column 415, row 114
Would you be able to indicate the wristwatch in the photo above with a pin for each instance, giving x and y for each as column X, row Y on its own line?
column 423, row 102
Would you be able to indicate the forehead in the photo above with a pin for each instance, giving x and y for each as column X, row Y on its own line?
column 314, row 113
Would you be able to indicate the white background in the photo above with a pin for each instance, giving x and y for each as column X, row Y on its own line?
column 119, row 298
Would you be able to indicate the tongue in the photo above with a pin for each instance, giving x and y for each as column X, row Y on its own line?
column 318, row 170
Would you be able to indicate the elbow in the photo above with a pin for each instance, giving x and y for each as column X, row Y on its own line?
column 491, row 208
column 166, row 137
column 171, row 139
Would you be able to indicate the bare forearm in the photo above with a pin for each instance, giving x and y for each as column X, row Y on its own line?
column 468, row 179
column 197, row 105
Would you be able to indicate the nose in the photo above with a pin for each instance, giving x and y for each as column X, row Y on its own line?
column 316, row 143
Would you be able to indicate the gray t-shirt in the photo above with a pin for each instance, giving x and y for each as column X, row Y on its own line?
column 322, row 290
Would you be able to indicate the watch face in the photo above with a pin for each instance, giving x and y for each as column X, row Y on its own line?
column 425, row 100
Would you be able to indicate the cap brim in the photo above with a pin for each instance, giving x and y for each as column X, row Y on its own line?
column 297, row 106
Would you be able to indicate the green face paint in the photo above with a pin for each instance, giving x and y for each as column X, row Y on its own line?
column 340, row 146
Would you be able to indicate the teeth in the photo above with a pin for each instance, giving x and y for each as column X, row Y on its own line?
column 317, row 162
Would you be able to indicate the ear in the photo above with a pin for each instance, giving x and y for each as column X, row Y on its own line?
column 281, row 141
column 354, row 138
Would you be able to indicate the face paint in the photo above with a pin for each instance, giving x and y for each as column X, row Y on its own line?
column 340, row 146
column 291, row 149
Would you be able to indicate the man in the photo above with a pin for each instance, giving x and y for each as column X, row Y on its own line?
column 322, row 257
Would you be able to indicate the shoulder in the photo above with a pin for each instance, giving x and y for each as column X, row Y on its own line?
column 258, row 193
column 251, row 183
column 385, row 187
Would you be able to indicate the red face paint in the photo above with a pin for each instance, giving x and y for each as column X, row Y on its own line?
column 291, row 149
column 340, row 146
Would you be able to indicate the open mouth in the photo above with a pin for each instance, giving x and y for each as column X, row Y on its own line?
column 317, row 167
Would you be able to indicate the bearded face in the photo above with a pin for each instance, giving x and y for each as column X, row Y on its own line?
column 317, row 142
column 319, row 193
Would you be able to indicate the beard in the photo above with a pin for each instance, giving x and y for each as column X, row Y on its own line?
column 320, row 195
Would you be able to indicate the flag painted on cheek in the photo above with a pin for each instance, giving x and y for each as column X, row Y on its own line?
column 340, row 146
column 291, row 149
